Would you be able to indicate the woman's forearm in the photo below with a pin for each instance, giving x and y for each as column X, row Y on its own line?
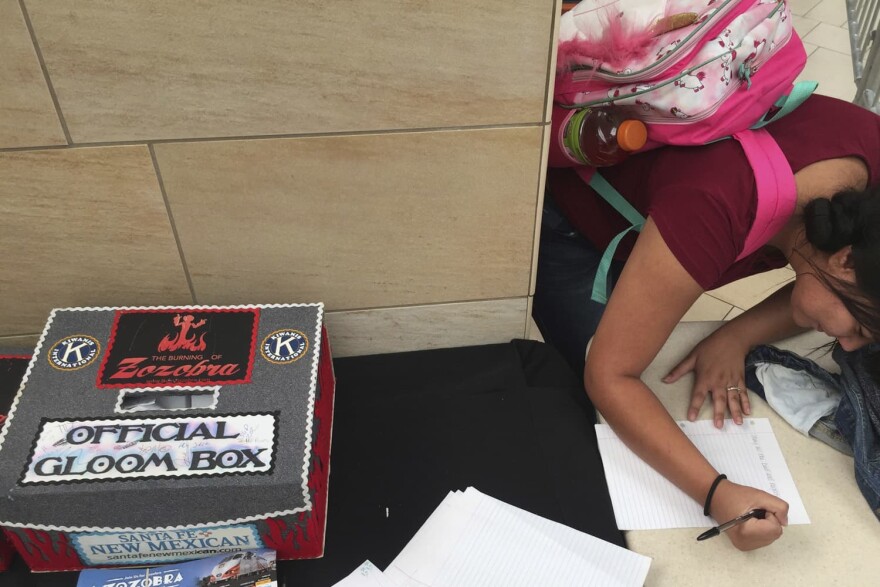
column 651, row 433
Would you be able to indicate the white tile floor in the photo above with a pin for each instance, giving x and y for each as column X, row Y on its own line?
column 822, row 26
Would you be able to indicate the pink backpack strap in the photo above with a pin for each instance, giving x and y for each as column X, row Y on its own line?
column 777, row 191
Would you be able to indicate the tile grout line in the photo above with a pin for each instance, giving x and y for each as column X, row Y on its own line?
column 174, row 231
column 556, row 6
column 730, row 311
column 849, row 55
column 30, row 27
column 219, row 139
column 542, row 166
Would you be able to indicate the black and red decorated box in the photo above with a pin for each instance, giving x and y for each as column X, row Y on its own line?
column 142, row 436
column 12, row 368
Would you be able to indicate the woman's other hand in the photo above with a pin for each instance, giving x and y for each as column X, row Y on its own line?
column 718, row 363
column 732, row 500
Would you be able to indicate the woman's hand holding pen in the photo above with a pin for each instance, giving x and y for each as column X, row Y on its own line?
column 718, row 363
column 732, row 500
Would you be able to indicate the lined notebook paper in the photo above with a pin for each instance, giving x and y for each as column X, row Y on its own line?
column 366, row 575
column 748, row 454
column 473, row 540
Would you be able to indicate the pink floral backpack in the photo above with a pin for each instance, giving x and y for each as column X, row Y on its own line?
column 694, row 71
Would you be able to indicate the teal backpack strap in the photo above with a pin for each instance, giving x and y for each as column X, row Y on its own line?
column 600, row 284
column 799, row 93
column 613, row 197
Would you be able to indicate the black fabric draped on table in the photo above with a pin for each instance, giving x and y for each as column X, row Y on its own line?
column 511, row 420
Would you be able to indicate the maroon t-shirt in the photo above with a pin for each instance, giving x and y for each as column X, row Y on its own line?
column 703, row 199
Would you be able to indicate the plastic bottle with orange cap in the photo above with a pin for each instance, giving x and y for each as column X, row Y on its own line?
column 597, row 137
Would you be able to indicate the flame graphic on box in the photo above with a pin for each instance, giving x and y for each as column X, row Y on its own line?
column 44, row 550
column 184, row 340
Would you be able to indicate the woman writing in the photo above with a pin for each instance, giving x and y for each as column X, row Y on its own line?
column 700, row 203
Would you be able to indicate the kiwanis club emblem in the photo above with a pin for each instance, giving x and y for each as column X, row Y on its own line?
column 73, row 352
column 284, row 346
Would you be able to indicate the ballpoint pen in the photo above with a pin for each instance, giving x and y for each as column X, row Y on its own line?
column 757, row 513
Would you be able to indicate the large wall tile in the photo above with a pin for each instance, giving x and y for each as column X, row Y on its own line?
column 27, row 115
column 148, row 69
column 391, row 330
column 358, row 221
column 22, row 344
column 83, row 227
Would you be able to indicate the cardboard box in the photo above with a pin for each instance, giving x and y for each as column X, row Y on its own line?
column 142, row 436
column 12, row 368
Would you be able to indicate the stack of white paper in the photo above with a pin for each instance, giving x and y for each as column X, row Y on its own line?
column 473, row 540
column 748, row 454
column 366, row 575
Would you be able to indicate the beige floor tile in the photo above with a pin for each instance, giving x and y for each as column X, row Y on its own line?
column 802, row 7
column 804, row 25
column 818, row 554
column 706, row 308
column 358, row 221
column 152, row 69
column 27, row 115
column 833, row 71
column 747, row 292
column 734, row 312
column 391, row 330
column 83, row 227
column 830, row 37
column 832, row 12
column 809, row 48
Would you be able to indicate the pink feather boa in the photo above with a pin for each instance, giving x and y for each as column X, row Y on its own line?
column 620, row 43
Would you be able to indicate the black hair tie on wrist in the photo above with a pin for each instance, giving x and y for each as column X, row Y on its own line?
column 712, row 489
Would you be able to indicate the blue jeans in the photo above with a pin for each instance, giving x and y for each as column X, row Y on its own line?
column 562, row 308
column 825, row 428
column 857, row 418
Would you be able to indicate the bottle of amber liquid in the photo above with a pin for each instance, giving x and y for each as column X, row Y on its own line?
column 598, row 137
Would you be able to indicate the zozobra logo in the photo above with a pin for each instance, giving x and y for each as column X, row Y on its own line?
column 183, row 339
column 73, row 352
column 284, row 346
column 168, row 578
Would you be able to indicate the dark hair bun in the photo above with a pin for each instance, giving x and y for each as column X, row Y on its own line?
column 835, row 223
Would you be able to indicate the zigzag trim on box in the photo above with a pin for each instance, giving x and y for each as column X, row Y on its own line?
column 316, row 353
column 232, row 522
